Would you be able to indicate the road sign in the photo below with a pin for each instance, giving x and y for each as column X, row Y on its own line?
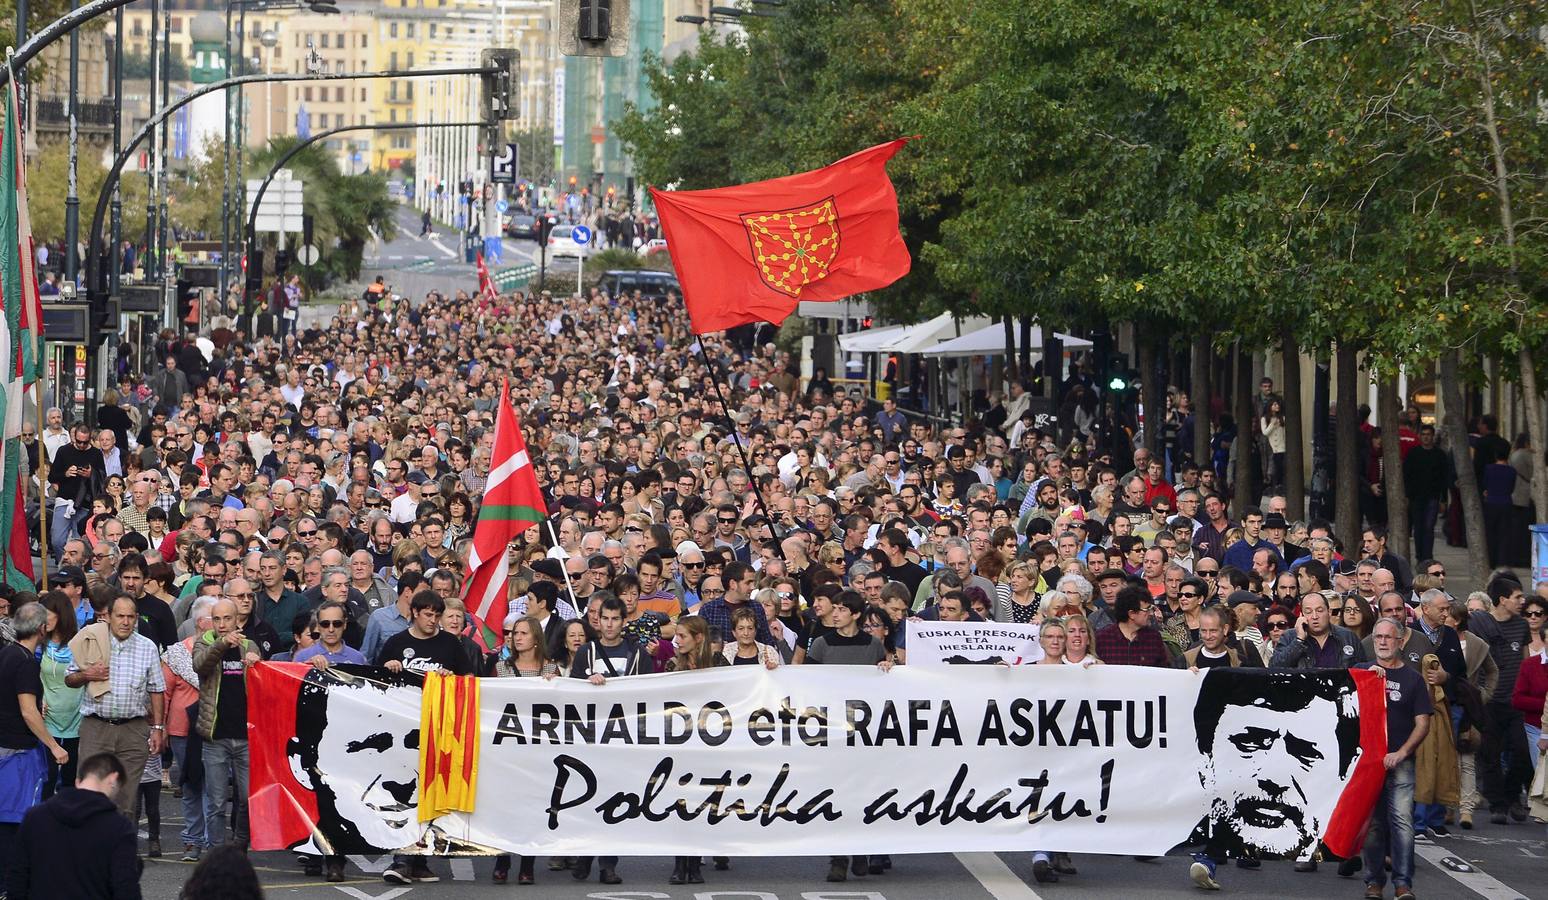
column 308, row 255
column 502, row 206
column 581, row 235
column 504, row 163
column 282, row 208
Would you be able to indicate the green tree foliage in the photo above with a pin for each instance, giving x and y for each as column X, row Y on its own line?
column 47, row 173
column 138, row 65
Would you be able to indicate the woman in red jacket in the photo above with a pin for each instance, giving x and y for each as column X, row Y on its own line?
column 1532, row 683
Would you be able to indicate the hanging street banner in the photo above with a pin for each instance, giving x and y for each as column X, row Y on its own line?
column 807, row 760
column 980, row 643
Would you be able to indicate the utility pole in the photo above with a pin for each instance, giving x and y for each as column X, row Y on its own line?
column 72, row 198
column 115, row 254
column 162, row 267
column 225, row 192
column 154, row 54
column 21, row 38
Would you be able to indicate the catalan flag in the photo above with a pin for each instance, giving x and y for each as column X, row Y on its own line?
column 448, row 745
column 513, row 502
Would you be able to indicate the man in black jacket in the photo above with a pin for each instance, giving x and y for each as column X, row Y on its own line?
column 75, row 467
column 1427, row 478
column 48, row 861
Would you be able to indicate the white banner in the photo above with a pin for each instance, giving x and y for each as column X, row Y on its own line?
column 808, row 760
column 984, row 643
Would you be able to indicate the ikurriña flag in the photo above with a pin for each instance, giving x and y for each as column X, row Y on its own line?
column 21, row 329
column 752, row 252
column 513, row 502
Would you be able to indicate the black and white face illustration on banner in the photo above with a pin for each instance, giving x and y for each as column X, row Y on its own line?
column 338, row 743
column 1285, row 744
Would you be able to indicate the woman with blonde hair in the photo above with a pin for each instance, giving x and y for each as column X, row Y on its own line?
column 1021, row 605
column 1079, row 642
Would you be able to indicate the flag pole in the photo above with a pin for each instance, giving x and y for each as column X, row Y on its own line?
column 736, row 437
column 38, row 387
column 568, row 585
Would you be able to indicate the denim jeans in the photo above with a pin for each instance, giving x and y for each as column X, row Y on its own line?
column 1533, row 735
column 225, row 761
column 194, row 812
column 1391, row 831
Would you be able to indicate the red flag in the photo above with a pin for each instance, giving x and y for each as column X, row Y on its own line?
column 751, row 252
column 486, row 286
column 513, row 502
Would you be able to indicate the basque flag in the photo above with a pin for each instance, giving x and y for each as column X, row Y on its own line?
column 752, row 252
column 513, row 502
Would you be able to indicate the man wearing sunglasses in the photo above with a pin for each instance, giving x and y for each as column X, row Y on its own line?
column 332, row 620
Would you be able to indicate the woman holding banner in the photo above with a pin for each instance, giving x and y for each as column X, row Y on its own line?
column 694, row 652
column 524, row 656
column 1077, row 643
column 1053, row 637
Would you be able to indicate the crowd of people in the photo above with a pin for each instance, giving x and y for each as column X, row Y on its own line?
column 314, row 499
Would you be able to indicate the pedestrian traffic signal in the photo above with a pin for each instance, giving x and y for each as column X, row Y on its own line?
column 594, row 27
column 281, row 262
column 499, row 86
column 254, row 263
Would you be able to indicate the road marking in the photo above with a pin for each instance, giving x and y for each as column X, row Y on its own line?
column 371, row 865
column 1479, row 882
column 435, row 241
column 362, row 895
column 462, row 869
column 996, row 877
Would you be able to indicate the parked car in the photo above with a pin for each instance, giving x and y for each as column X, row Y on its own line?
column 651, row 284
column 652, row 247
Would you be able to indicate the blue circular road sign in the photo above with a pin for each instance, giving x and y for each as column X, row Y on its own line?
column 581, row 234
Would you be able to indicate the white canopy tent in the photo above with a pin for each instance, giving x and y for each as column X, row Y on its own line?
column 926, row 335
column 869, row 341
column 991, row 339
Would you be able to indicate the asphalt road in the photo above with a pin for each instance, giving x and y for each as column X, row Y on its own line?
column 439, row 252
column 1507, row 862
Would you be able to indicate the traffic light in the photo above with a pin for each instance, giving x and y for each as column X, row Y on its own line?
column 500, row 86
column 253, row 265
column 546, row 224
column 1118, row 373
column 281, row 262
column 594, row 27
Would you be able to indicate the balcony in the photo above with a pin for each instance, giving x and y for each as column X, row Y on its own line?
column 89, row 115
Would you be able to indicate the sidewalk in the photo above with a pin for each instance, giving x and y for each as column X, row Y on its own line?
column 1460, row 577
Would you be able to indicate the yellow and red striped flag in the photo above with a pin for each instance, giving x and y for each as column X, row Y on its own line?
column 448, row 745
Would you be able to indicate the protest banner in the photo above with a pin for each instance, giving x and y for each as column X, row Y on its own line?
column 982, row 643
column 832, row 760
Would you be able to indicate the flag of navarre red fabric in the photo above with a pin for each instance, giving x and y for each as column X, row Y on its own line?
column 752, row 252
column 513, row 502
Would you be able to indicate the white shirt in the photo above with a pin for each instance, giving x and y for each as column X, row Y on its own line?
column 403, row 509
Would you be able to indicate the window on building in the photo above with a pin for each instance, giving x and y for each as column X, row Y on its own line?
column 362, row 42
column 411, row 29
column 392, row 61
column 432, row 29
column 392, row 114
column 411, row 59
column 308, row 94
column 177, row 24
column 392, row 30
column 411, row 90
column 338, row 95
column 339, row 67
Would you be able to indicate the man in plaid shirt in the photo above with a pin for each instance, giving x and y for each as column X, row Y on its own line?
column 1131, row 640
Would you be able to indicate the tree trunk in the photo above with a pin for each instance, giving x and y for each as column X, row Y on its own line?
column 1241, row 488
column 1295, row 450
column 1455, row 432
column 1145, row 351
column 1012, row 369
column 1024, row 350
column 1387, row 410
column 1203, row 356
column 1346, row 518
column 1532, row 400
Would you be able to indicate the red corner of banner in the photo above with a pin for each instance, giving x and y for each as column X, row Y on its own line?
column 282, row 811
column 1346, row 827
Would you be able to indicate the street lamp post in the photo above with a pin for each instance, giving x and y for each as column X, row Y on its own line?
column 153, row 53
column 115, row 259
column 72, row 197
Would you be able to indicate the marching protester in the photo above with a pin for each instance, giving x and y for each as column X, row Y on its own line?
column 45, row 850
column 337, row 476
